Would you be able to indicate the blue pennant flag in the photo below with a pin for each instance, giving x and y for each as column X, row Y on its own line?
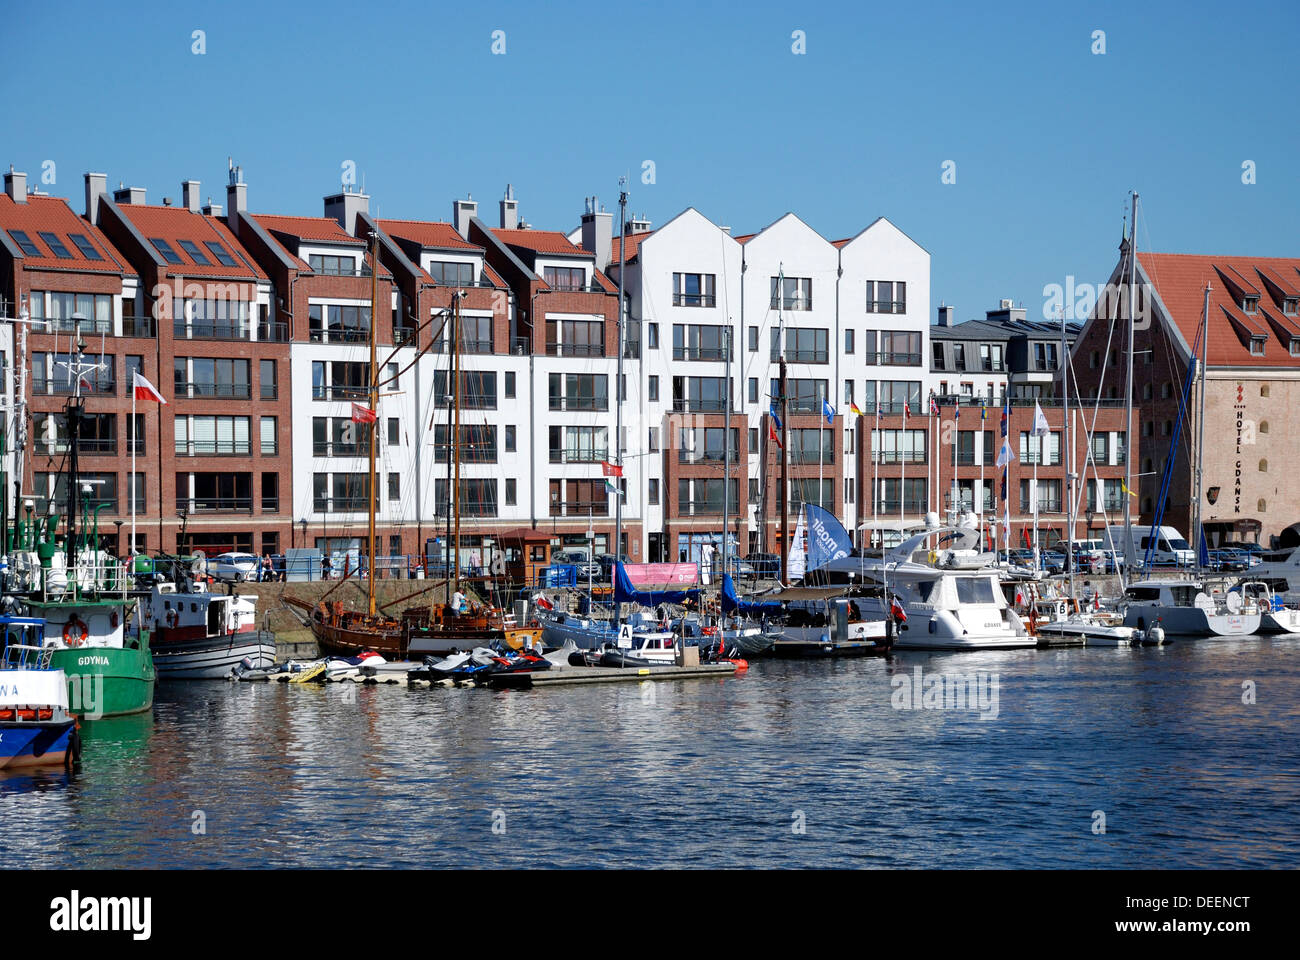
column 828, row 412
column 771, row 408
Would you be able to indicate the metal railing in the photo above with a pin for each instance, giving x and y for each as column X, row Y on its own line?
column 580, row 508
column 701, row 353
column 197, row 504
column 213, row 448
column 1044, row 506
column 698, row 508
column 207, row 388
column 209, row 330
column 339, row 271
column 139, row 327
column 521, row 346
column 441, row 345
column 592, row 287
column 598, row 404
column 339, row 393
column 713, row 456
column 340, row 335
column 886, row 306
column 85, row 324
column 276, row 332
column 694, row 300
column 332, row 449
column 791, row 303
column 701, row 406
column 268, row 391
column 61, row 387
column 914, row 505
column 887, row 457
column 270, row 503
column 341, row 504
column 579, row 456
column 803, row 356
column 575, row 349
column 810, row 456
column 899, row 360
column 91, row 446
column 403, row 336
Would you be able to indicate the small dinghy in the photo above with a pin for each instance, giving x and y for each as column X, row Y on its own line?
column 618, row 658
column 364, row 664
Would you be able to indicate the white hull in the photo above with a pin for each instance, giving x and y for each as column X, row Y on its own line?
column 1280, row 621
column 591, row 634
column 213, row 659
column 858, row 631
column 1091, row 634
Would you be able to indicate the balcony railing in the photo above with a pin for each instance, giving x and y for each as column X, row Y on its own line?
column 700, row 406
column 580, row 508
column 206, row 388
column 694, row 300
column 631, row 349
column 886, row 457
column 98, row 446
column 886, row 306
column 899, row 359
column 340, row 335
column 576, row 455
column 914, row 505
column 341, row 504
column 213, row 448
column 139, row 327
column 268, row 448
column 700, row 353
column 810, row 456
column 803, row 356
column 215, row 504
column 714, row 456
column 330, row 449
column 592, row 287
column 965, row 459
column 403, row 336
column 270, row 503
column 1044, row 506
column 327, row 271
column 277, row 332
column 209, row 330
column 442, row 345
column 85, row 324
column 61, row 387
column 521, row 346
column 579, row 403
column 575, row 349
column 319, row 392
column 791, row 303
column 268, row 391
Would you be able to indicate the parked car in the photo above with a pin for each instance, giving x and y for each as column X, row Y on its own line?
column 767, row 565
column 234, row 566
column 1052, row 561
column 606, row 561
column 587, row 568
column 1229, row 558
column 740, row 567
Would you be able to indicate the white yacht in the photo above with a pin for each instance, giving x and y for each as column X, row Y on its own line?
column 951, row 601
column 1190, row 608
column 1275, row 616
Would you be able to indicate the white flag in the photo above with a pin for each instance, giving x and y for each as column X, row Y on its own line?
column 798, row 561
column 1041, row 429
column 1005, row 455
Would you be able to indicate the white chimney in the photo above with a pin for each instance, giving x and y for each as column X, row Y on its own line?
column 96, row 187
column 509, row 210
column 344, row 208
column 462, row 212
column 16, row 186
column 598, row 232
column 945, row 316
column 190, row 195
column 132, row 195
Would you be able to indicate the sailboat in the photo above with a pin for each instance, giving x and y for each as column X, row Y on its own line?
column 92, row 628
column 420, row 630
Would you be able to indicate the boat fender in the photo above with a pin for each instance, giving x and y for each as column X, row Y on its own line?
column 75, row 632
column 172, row 618
column 112, row 619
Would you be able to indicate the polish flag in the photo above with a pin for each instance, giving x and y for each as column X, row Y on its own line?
column 362, row 414
column 610, row 469
column 144, row 390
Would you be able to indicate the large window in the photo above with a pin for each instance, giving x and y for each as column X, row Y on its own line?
column 575, row 338
column 898, row 446
column 805, row 446
column 579, row 444
column 565, row 278
column 700, row 495
column 222, row 377
column 692, row 341
column 802, row 346
column 895, row 393
column 339, row 323
column 1034, row 450
column 578, row 391
column 805, row 395
column 340, row 380
column 339, row 437
column 212, row 320
column 98, row 433
column 700, row 394
column 1049, row 496
column 791, row 293
column 899, row 348
column 336, row 266
column 93, row 311
column 211, row 436
column 478, row 389
column 886, row 296
column 1045, row 356
column 214, row 492
column 706, row 444
column 478, row 442
column 452, row 274
column 888, row 495
column 812, row 490
column 475, row 336
column 478, row 497
column 693, row 289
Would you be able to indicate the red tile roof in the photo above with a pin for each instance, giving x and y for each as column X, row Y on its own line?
column 1180, row 281
column 634, row 241
column 53, row 215
column 429, row 234
column 745, row 238
column 320, row 229
column 174, row 224
column 543, row 241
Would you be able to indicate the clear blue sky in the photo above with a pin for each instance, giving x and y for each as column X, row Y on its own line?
column 1047, row 137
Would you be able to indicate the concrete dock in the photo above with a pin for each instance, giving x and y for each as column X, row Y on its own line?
column 570, row 675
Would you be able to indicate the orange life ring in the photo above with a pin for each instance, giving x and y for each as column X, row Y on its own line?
column 75, row 632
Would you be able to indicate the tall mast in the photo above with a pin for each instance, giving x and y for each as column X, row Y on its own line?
column 454, row 498
column 618, row 387
column 1200, row 427
column 1068, row 459
column 785, row 425
column 374, row 416
column 1128, row 391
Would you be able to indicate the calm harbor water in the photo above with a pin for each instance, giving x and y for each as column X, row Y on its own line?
column 701, row 773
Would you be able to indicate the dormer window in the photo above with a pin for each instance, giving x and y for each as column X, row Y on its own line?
column 1295, row 346
column 1256, row 346
column 1250, row 304
column 1291, row 306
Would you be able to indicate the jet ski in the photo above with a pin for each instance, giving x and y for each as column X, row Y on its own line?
column 518, row 663
column 364, row 664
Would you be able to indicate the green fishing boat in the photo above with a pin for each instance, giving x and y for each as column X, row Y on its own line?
column 81, row 591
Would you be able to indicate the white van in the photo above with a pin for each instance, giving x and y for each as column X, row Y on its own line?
column 1170, row 547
